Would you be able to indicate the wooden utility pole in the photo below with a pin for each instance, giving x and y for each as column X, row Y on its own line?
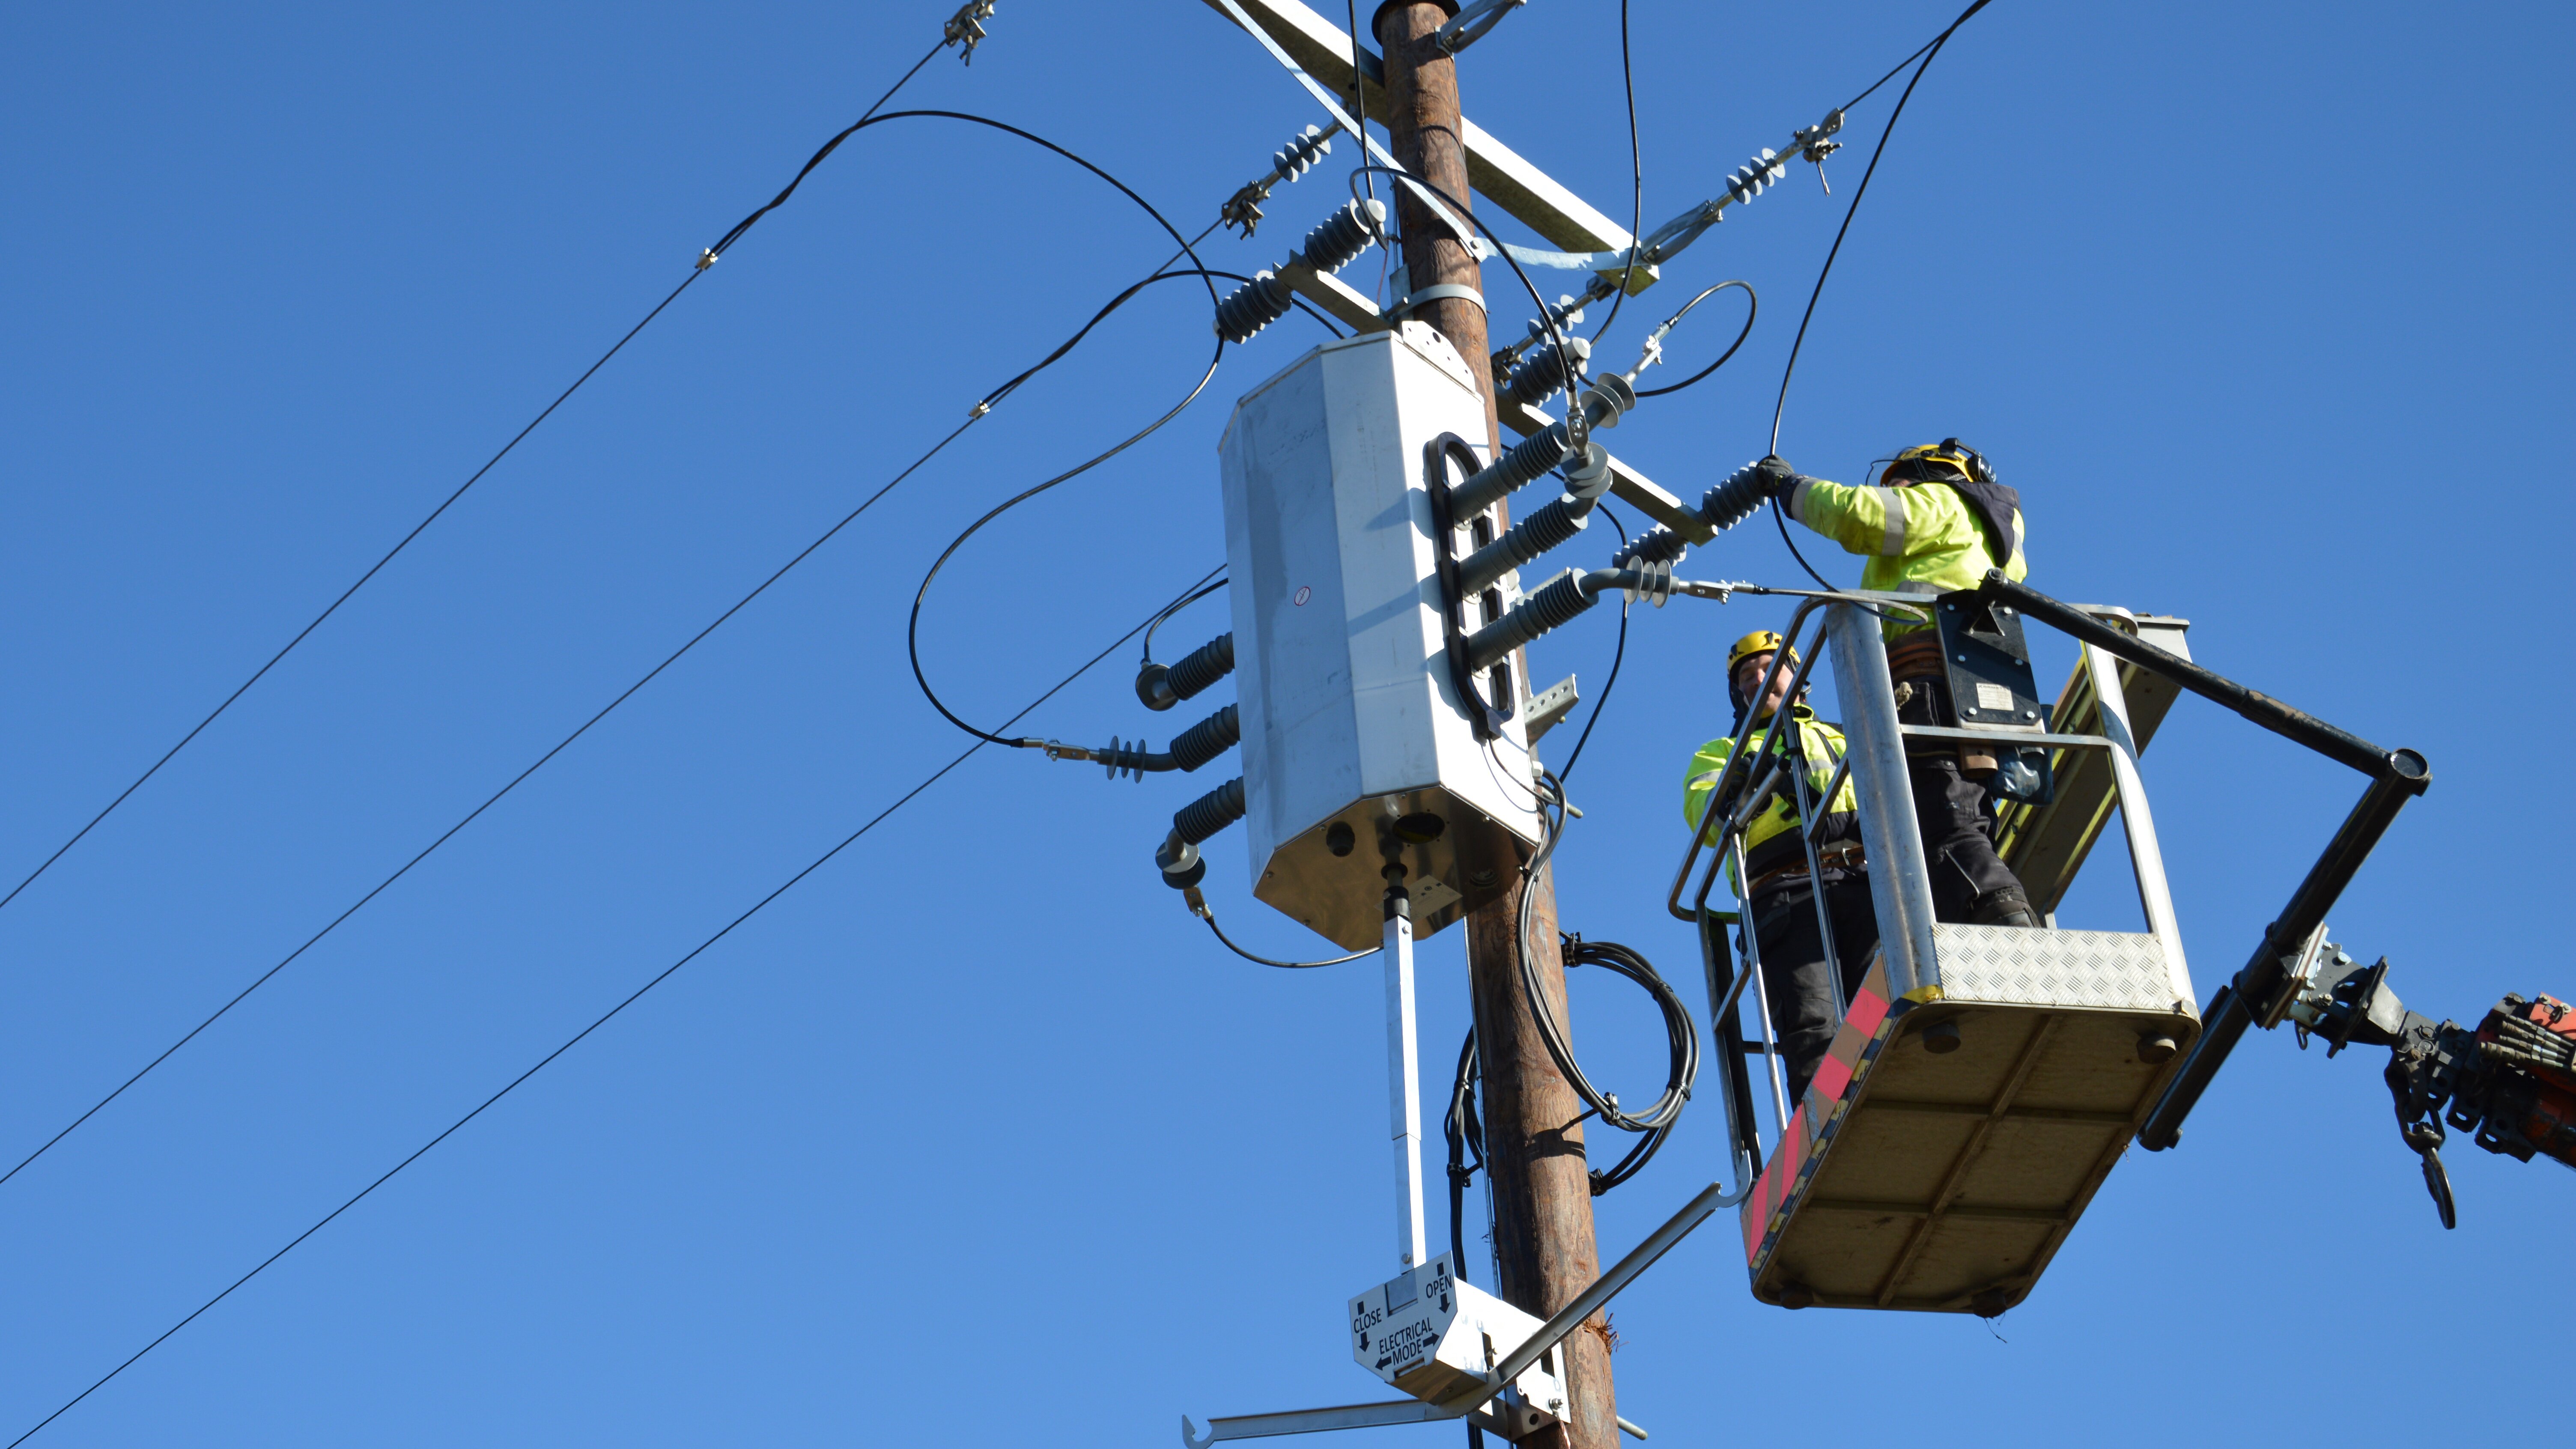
column 1542, row 1188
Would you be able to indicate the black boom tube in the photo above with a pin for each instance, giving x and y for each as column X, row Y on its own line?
column 2396, row 776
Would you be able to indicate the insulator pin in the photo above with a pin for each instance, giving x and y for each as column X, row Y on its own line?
column 1203, row 666
column 1208, row 738
column 1254, row 305
column 1558, row 603
column 1733, row 501
column 1545, row 373
column 1210, row 813
column 1659, row 545
column 1750, row 179
column 1551, row 527
column 1533, row 457
column 1345, row 234
column 1290, row 161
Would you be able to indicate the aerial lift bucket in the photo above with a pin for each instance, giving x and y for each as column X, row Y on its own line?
column 1984, row 1079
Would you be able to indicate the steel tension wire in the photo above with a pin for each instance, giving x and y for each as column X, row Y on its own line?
column 705, row 258
column 576, row 1039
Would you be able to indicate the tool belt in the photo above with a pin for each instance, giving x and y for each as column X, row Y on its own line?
column 1845, row 856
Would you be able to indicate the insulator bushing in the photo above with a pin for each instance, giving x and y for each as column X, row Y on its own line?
column 1532, row 458
column 1210, row 813
column 1749, row 179
column 1555, row 525
column 1254, row 305
column 1558, row 603
column 1290, row 161
column 1208, row 738
column 1731, row 502
column 1657, row 545
column 1202, row 666
column 1545, row 373
column 1345, row 234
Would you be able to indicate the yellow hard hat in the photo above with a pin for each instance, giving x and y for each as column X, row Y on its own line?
column 1760, row 641
column 1939, row 462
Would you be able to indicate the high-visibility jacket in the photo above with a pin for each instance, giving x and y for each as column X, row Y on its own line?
column 1771, row 840
column 1927, row 538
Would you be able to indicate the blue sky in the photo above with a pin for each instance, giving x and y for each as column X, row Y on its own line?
column 975, row 1134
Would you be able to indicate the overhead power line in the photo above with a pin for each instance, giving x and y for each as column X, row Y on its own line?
column 1930, row 52
column 982, row 408
column 705, row 259
column 604, row 1018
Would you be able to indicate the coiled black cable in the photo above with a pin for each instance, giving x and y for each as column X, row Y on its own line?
column 1680, row 1031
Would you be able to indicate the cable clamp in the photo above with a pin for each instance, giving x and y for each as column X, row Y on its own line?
column 979, row 409
column 1438, row 291
column 966, row 25
column 707, row 258
column 1469, row 25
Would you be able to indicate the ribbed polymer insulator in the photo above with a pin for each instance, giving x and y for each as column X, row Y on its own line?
column 1656, row 545
column 1561, row 601
column 1255, row 305
column 1731, row 502
column 1535, row 455
column 1208, row 738
column 1545, row 372
column 1344, row 234
column 1291, row 160
column 1751, row 177
column 1210, row 813
column 1548, row 528
column 1124, row 757
column 1202, row 667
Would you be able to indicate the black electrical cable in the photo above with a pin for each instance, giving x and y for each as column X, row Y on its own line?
column 560, row 746
column 1618, row 656
column 1637, row 178
column 1930, row 52
column 1210, row 918
column 1681, row 1033
column 1752, row 309
column 405, row 542
column 1574, row 415
column 912, row 630
column 444, row 504
column 576, row 1039
column 1175, row 607
column 1466, row 1133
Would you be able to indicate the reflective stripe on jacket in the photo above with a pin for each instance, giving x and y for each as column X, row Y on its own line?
column 1923, row 539
column 1771, row 840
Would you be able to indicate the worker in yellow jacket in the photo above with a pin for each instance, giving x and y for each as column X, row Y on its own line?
column 1935, row 522
column 1780, row 897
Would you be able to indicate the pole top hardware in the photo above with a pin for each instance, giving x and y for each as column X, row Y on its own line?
column 1468, row 26
column 967, row 25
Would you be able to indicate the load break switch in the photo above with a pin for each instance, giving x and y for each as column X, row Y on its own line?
column 1351, row 713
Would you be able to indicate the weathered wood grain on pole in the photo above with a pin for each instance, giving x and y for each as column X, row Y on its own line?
column 1542, row 1190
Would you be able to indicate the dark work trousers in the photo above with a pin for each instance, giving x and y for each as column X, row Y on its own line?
column 1958, row 852
column 1793, row 964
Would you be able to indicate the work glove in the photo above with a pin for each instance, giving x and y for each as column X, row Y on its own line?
column 1773, row 476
